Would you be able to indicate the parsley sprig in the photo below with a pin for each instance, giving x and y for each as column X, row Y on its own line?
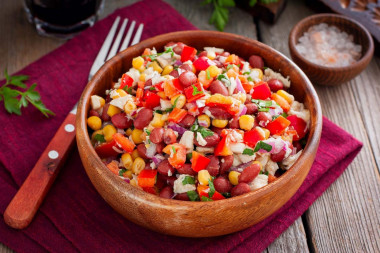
column 15, row 99
column 263, row 105
column 153, row 57
column 205, row 132
column 259, row 145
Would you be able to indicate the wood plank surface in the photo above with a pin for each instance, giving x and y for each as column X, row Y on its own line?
column 346, row 217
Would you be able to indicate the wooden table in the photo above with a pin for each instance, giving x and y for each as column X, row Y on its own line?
column 346, row 218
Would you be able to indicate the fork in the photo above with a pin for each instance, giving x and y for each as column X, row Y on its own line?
column 24, row 205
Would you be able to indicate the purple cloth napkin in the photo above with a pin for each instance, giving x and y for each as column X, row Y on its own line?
column 74, row 217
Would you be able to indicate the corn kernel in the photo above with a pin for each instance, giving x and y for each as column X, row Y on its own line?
column 94, row 122
column 233, row 176
column 214, row 71
column 220, row 123
column 167, row 70
column 156, row 67
column 97, row 102
column 289, row 98
column 137, row 62
column 257, row 73
column 142, row 77
column 128, row 132
column 204, row 120
column 246, row 122
column 211, row 55
column 161, row 94
column 133, row 182
column 242, row 97
column 112, row 110
column 142, row 69
column 96, row 133
column 109, row 131
column 128, row 174
column 129, row 107
column 203, row 177
column 138, row 165
column 127, row 161
column 157, row 120
column 119, row 93
column 135, row 154
column 136, row 136
column 179, row 101
column 267, row 133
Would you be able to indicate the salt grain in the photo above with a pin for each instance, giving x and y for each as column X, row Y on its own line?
column 328, row 46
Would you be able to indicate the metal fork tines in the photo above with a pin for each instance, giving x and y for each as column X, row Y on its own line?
column 102, row 55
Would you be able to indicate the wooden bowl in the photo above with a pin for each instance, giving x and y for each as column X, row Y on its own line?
column 198, row 219
column 322, row 75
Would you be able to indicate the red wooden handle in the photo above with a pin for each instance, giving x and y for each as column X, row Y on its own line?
column 29, row 197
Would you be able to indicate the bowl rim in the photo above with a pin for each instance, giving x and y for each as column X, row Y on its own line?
column 114, row 181
column 358, row 64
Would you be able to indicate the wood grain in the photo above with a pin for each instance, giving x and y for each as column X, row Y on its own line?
column 345, row 218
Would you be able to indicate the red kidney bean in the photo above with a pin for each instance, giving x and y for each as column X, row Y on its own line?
column 222, row 184
column 174, row 73
column 187, row 78
column 187, row 121
column 164, row 167
column 203, row 53
column 160, row 182
column 217, row 130
column 169, row 136
column 167, row 192
column 234, row 123
column 148, row 82
column 121, row 121
column 157, row 135
column 251, row 108
column 147, row 166
column 182, row 196
column 297, row 145
column 212, row 140
column 263, row 118
column 249, row 173
column 226, row 163
column 275, row 85
column 278, row 157
column 166, row 179
column 248, row 99
column 178, row 48
column 186, row 169
column 256, row 61
column 219, row 113
column 186, row 67
column 218, row 64
column 213, row 166
column 144, row 116
column 141, row 149
column 105, row 116
column 240, row 189
column 160, row 147
column 94, row 113
column 218, row 87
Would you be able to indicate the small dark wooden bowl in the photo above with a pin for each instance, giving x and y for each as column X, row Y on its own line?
column 332, row 75
column 198, row 219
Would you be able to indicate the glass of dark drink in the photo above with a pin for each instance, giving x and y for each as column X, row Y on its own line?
column 62, row 18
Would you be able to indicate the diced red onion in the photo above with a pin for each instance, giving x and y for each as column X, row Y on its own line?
column 158, row 158
column 127, row 180
column 151, row 150
column 243, row 110
column 240, row 167
column 239, row 86
column 177, row 128
column 178, row 63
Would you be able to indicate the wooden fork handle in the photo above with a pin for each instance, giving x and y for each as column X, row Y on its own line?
column 24, row 205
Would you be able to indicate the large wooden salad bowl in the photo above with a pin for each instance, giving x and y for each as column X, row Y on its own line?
column 198, row 219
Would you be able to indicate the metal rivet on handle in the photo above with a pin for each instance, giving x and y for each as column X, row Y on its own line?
column 53, row 154
column 69, row 128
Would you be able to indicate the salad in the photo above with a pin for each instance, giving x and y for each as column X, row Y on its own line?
column 198, row 125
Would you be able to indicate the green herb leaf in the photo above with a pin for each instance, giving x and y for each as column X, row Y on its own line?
column 262, row 145
column 169, row 109
column 189, row 156
column 212, row 188
column 152, row 88
column 204, row 198
column 226, row 194
column 230, row 66
column 147, row 131
column 174, row 151
column 252, row 3
column 129, row 89
column 158, row 111
column 100, row 138
column 208, row 76
column 193, row 195
column 248, row 151
column 18, row 81
column 175, row 102
column 188, row 180
column 247, row 73
column 196, row 91
column 205, row 132
column 265, row 109
column 250, row 79
column 122, row 171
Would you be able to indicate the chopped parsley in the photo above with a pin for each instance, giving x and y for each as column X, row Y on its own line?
column 193, row 195
column 264, row 173
column 175, row 102
column 263, row 105
column 152, row 88
column 226, row 194
column 224, row 79
column 208, row 76
column 230, row 66
column 154, row 56
column 204, row 198
column 265, row 109
column 147, row 131
column 205, row 132
column 248, row 151
column 196, row 91
column 173, row 148
column 262, row 145
column 284, row 114
column 250, row 79
column 247, row 73
column 158, row 111
column 122, row 171
column 212, row 188
column 128, row 89
column 100, row 138
column 188, row 180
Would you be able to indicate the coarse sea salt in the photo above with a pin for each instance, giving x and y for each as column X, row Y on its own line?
column 328, row 46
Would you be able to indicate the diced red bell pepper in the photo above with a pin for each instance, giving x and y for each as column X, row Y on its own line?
column 253, row 136
column 123, row 142
column 126, row 80
column 151, row 190
column 278, row 125
column 188, row 53
column 199, row 162
column 177, row 84
column 177, row 115
column 177, row 154
column 169, row 89
column 202, row 63
column 114, row 167
column 105, row 150
column 223, row 149
column 261, row 91
column 194, row 92
column 159, row 86
column 151, row 100
column 139, row 96
column 217, row 196
column 147, row 178
column 204, row 190
column 299, row 125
